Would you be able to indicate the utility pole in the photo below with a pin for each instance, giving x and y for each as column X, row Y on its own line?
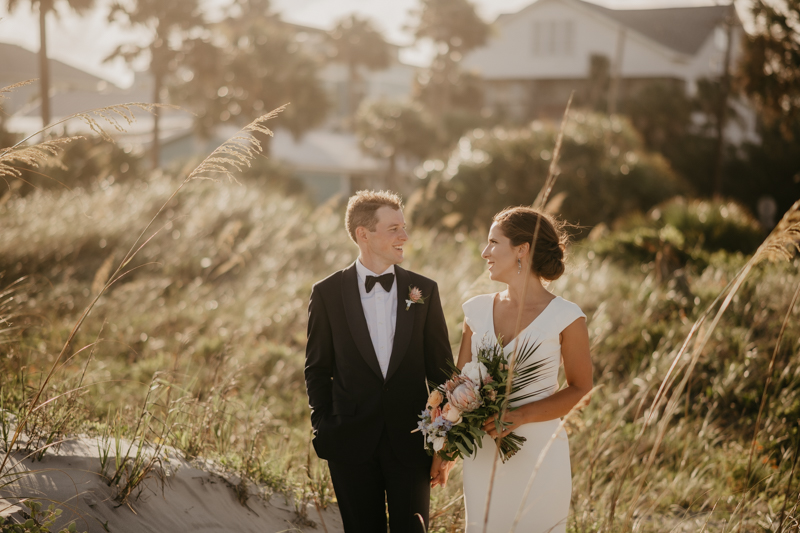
column 616, row 74
column 44, row 70
column 722, row 110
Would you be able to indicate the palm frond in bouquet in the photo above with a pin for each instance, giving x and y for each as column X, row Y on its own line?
column 453, row 419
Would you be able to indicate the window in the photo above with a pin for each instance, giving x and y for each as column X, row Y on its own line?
column 553, row 37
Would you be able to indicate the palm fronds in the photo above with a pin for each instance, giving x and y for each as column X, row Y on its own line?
column 527, row 372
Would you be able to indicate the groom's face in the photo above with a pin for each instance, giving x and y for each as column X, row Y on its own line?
column 385, row 244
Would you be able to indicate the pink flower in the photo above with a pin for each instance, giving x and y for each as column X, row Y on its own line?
column 415, row 294
column 451, row 414
column 465, row 395
column 414, row 297
column 487, row 379
column 435, row 413
column 451, row 384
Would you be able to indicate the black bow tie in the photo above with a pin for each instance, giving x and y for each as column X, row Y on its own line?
column 386, row 282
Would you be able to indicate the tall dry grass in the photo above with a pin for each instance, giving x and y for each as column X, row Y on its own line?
column 200, row 347
column 215, row 323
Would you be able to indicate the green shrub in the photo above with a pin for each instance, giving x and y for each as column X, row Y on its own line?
column 604, row 173
column 680, row 230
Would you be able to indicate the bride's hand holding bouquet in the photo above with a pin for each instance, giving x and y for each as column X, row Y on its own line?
column 465, row 408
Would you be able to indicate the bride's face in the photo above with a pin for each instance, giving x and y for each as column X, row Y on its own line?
column 500, row 255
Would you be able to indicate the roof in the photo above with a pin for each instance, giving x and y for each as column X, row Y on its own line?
column 20, row 64
column 683, row 29
column 322, row 150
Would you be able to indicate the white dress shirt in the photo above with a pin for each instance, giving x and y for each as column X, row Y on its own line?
column 380, row 310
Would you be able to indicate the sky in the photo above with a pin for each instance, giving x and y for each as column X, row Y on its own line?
column 85, row 41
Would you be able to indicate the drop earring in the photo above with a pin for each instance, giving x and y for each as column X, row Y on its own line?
column 519, row 265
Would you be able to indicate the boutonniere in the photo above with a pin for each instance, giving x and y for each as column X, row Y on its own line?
column 414, row 297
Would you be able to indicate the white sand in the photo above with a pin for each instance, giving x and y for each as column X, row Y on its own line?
column 193, row 500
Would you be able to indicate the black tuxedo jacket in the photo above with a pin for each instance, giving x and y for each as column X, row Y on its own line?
column 351, row 401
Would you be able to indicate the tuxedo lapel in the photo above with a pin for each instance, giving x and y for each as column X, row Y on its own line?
column 404, row 325
column 354, row 313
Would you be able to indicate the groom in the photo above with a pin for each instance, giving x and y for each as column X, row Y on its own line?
column 372, row 344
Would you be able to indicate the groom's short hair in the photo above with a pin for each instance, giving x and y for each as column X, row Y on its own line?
column 363, row 206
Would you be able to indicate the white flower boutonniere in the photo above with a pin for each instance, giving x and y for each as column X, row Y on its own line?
column 414, row 297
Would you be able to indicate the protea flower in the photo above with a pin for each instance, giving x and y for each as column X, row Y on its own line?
column 464, row 395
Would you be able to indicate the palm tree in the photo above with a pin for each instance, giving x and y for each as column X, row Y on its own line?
column 44, row 7
column 395, row 129
column 253, row 63
column 355, row 42
column 455, row 28
column 169, row 24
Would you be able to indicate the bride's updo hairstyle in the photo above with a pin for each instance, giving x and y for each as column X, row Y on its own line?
column 519, row 225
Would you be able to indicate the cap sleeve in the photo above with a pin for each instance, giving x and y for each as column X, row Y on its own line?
column 568, row 313
column 474, row 310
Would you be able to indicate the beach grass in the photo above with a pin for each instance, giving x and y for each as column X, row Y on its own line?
column 200, row 348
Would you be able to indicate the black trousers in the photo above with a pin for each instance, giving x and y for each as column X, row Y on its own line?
column 364, row 489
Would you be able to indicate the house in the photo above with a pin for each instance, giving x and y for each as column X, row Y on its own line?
column 540, row 54
column 327, row 160
column 18, row 64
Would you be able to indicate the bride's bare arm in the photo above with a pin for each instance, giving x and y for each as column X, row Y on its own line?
column 578, row 372
column 465, row 351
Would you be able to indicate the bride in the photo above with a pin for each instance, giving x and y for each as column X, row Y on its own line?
column 559, row 327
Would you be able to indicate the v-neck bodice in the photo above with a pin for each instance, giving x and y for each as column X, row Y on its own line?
column 544, row 331
column 510, row 344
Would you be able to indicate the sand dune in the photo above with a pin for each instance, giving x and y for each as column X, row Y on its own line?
column 191, row 499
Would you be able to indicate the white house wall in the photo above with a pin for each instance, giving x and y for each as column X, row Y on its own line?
column 710, row 59
column 509, row 55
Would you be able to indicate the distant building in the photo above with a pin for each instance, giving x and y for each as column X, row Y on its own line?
column 18, row 64
column 327, row 160
column 540, row 54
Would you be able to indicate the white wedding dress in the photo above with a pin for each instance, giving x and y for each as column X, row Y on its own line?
column 547, row 505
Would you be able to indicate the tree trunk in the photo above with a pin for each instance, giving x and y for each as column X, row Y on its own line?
column 391, row 174
column 155, row 153
column 616, row 73
column 352, row 79
column 449, row 69
column 722, row 111
column 44, row 66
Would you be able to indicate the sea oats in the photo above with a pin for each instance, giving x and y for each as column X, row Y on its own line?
column 236, row 153
column 784, row 240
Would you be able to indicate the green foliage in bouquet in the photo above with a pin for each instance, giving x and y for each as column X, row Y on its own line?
column 475, row 393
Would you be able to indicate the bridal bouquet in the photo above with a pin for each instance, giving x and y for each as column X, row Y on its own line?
column 455, row 412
